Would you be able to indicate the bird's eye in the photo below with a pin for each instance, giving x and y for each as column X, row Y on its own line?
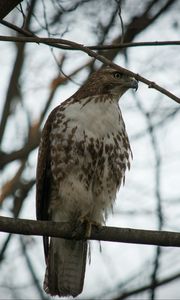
column 117, row 75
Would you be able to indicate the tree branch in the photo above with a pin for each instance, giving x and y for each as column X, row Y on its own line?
column 104, row 60
column 6, row 6
column 32, row 271
column 146, row 287
column 28, row 39
column 111, row 234
column 13, row 91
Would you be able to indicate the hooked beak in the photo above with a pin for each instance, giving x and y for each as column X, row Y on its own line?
column 133, row 84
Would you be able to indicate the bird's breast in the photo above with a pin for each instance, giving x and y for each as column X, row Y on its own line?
column 96, row 117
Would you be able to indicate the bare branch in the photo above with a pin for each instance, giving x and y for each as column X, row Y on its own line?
column 111, row 234
column 23, row 191
column 32, row 270
column 21, row 154
column 6, row 6
column 121, row 20
column 22, row 39
column 134, row 44
column 13, row 92
column 10, row 186
column 106, row 61
column 139, row 23
column 147, row 287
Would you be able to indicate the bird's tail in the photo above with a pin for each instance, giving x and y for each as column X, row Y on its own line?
column 65, row 267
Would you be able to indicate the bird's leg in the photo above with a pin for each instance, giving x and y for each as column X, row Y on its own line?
column 85, row 222
column 88, row 225
column 88, row 229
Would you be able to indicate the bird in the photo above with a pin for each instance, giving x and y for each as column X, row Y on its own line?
column 83, row 155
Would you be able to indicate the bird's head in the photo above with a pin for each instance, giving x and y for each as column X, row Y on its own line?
column 114, row 82
column 107, row 81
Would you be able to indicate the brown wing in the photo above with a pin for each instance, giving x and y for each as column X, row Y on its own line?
column 43, row 176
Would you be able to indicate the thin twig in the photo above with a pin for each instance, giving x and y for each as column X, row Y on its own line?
column 146, row 287
column 29, row 39
column 31, row 269
column 121, row 20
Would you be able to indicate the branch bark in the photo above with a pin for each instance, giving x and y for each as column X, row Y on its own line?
column 104, row 233
column 6, row 6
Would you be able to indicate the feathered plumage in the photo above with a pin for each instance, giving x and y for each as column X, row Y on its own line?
column 83, row 154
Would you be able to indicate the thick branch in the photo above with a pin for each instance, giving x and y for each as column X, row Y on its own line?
column 6, row 6
column 111, row 234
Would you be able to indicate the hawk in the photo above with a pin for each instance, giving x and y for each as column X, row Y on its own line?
column 83, row 154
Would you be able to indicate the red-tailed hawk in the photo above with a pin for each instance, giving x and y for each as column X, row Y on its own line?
column 83, row 155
